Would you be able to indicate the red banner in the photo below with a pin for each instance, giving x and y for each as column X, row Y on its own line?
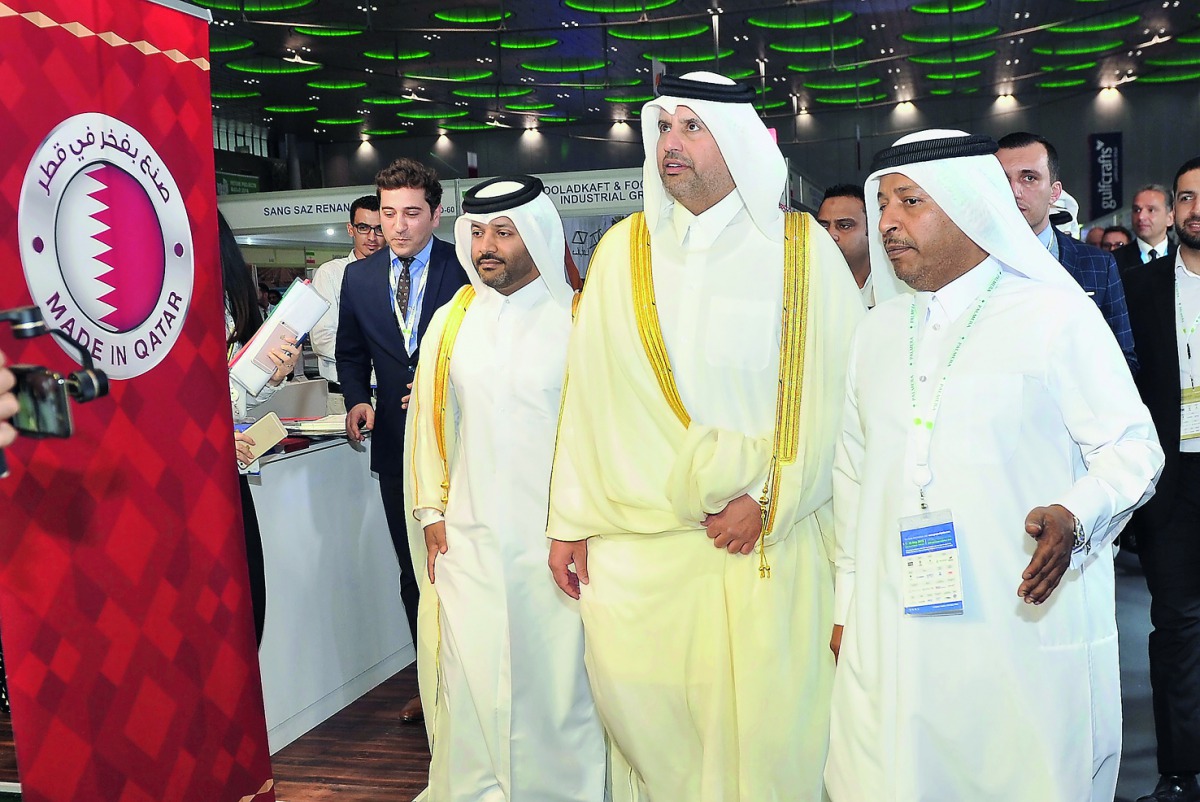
column 124, row 593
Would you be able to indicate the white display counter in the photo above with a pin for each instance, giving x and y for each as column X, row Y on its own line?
column 335, row 627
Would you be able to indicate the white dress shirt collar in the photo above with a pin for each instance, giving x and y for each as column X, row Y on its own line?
column 700, row 231
column 957, row 296
column 1159, row 250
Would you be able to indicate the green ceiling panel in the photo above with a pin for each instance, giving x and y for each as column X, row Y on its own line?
column 466, row 126
column 340, row 121
column 842, row 83
column 270, row 66
column 659, row 31
column 223, row 43
column 1082, row 46
column 235, row 94
column 947, row 6
column 336, row 85
column 789, row 19
column 1066, row 83
column 528, row 106
column 556, row 119
column 254, row 6
column 817, row 43
column 741, row 75
column 424, row 113
column 472, row 15
column 331, row 33
column 1174, row 61
column 1087, row 65
column 630, row 98
column 398, row 54
column 774, row 104
column 565, row 64
column 954, row 57
column 1100, row 22
column 520, row 42
column 617, row 6
column 956, row 75
column 492, row 91
column 385, row 131
column 687, row 55
column 849, row 99
column 610, row 83
column 289, row 109
column 457, row 74
column 948, row 34
column 387, row 101
column 822, row 64
column 1171, row 77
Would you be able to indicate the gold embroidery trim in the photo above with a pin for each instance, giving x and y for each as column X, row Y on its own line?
column 791, row 372
column 441, row 378
column 646, row 312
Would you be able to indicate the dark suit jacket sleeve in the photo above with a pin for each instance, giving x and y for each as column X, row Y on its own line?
column 1116, row 313
column 1097, row 273
column 353, row 356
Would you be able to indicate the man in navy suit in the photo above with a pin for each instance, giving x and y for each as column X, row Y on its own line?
column 1031, row 164
column 387, row 302
column 1164, row 305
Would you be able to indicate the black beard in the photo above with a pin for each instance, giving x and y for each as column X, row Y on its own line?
column 1185, row 238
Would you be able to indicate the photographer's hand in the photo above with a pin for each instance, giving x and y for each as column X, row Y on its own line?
column 8, row 404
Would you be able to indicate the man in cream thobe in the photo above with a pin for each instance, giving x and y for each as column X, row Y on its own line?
column 712, row 677
column 508, row 709
column 997, row 398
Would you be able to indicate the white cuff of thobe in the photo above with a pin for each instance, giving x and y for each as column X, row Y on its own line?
column 428, row 515
column 843, row 593
column 1088, row 502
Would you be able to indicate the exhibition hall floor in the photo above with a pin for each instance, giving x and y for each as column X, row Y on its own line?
column 365, row 754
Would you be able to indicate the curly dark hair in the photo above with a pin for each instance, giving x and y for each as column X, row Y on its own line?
column 406, row 174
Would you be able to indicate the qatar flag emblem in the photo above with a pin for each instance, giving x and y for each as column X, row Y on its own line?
column 106, row 243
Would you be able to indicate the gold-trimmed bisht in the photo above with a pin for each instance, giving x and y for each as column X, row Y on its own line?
column 785, row 446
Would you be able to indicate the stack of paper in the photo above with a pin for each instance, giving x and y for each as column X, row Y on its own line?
column 330, row 424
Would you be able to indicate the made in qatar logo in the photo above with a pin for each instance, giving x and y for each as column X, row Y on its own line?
column 105, row 242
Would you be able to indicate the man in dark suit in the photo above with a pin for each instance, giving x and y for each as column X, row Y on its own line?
column 1153, row 214
column 1164, row 307
column 1031, row 164
column 387, row 302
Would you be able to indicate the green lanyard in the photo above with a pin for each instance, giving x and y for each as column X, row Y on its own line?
column 1187, row 331
column 923, row 475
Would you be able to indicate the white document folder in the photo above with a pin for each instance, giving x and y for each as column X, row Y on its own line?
column 298, row 311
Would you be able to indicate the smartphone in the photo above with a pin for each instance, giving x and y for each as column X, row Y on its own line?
column 43, row 408
column 276, row 340
column 266, row 432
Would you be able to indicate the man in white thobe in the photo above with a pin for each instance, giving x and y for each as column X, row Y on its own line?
column 692, row 478
column 993, row 446
column 506, row 699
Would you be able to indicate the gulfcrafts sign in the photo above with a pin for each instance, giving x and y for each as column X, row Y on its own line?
column 1105, row 160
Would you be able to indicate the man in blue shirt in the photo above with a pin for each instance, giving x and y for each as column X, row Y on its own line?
column 387, row 302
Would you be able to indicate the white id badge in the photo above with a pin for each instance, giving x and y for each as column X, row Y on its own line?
column 1189, row 414
column 931, row 577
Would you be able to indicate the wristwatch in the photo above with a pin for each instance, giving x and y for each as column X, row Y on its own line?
column 1082, row 542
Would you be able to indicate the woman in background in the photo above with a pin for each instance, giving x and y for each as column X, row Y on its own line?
column 242, row 320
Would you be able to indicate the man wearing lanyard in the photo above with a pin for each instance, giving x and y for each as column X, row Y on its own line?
column 993, row 445
column 1164, row 308
column 386, row 303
